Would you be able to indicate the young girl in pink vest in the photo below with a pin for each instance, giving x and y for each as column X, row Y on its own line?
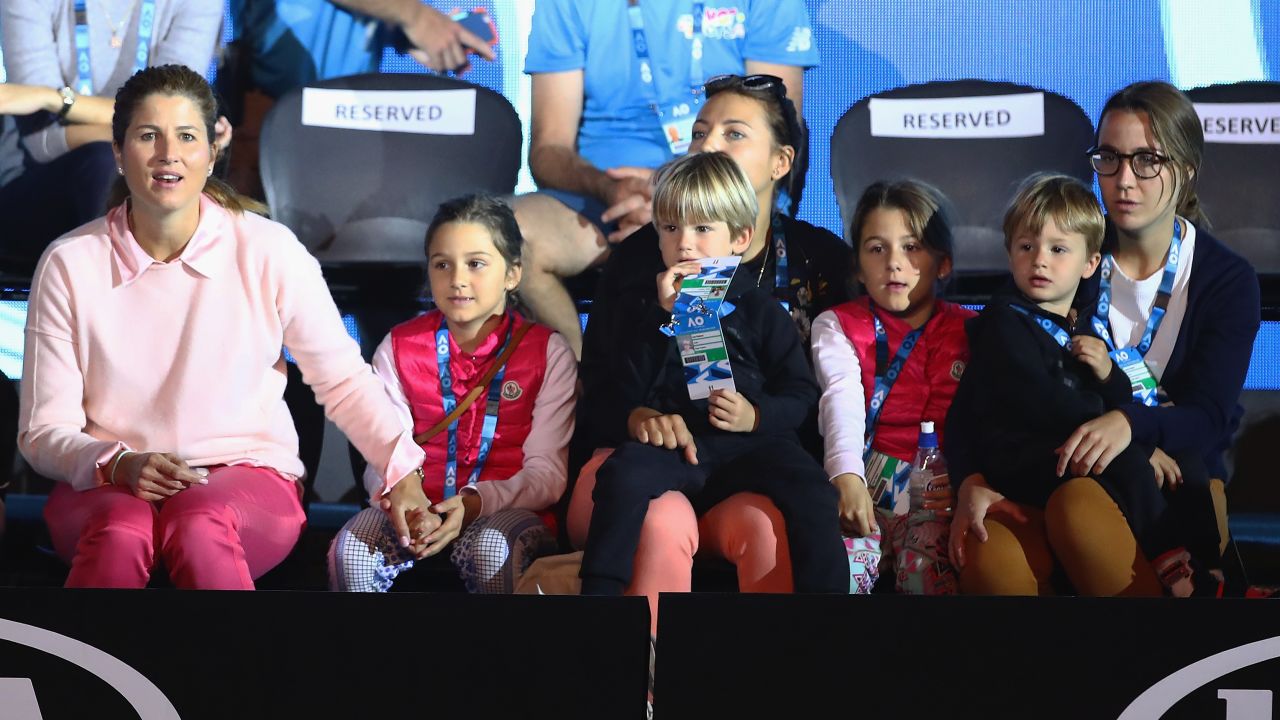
column 490, row 396
column 887, row 360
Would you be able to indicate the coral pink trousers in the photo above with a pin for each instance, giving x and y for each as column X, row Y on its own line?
column 746, row 529
column 219, row 536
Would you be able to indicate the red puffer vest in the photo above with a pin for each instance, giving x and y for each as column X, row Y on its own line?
column 929, row 378
column 414, row 347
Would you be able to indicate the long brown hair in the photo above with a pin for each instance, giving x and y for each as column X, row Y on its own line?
column 176, row 81
column 1176, row 126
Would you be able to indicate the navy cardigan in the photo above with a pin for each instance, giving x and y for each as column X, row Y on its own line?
column 1206, row 372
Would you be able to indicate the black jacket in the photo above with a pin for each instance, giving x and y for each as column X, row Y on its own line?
column 769, row 364
column 1021, row 396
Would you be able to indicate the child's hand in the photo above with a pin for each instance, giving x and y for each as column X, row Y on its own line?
column 458, row 512
column 669, row 282
column 651, row 427
column 409, row 510
column 730, row 411
column 1167, row 470
column 1092, row 447
column 1092, row 352
column 857, row 512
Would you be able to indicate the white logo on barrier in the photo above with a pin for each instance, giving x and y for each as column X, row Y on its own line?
column 987, row 116
column 145, row 698
column 1240, row 123
column 1241, row 704
column 425, row 112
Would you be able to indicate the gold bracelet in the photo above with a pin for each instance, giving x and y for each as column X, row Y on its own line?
column 116, row 463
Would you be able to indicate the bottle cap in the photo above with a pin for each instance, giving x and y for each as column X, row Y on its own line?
column 926, row 426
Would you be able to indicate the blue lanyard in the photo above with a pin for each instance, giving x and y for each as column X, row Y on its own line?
column 146, row 27
column 1101, row 321
column 781, row 278
column 1058, row 334
column 886, row 374
column 640, row 45
column 450, row 401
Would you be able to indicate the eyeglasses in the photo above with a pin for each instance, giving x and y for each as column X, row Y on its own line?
column 1145, row 164
column 750, row 82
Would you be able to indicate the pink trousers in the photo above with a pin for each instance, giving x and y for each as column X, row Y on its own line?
column 746, row 529
column 218, row 536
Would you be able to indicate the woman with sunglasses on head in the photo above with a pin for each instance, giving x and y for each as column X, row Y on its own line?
column 752, row 120
column 1178, row 311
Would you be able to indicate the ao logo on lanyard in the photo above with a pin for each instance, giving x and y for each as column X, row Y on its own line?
column 450, row 401
column 84, row 67
column 675, row 119
column 1132, row 359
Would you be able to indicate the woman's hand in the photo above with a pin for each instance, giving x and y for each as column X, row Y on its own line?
column 730, row 411
column 631, row 196
column 1092, row 352
column 857, row 512
column 410, row 513
column 669, row 282
column 1167, row 470
column 975, row 500
column 154, row 476
column 1093, row 445
column 222, row 134
column 458, row 512
column 16, row 99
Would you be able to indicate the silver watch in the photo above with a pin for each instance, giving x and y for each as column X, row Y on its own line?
column 68, row 99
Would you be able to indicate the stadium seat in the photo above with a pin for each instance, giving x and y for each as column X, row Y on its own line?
column 1238, row 191
column 978, row 174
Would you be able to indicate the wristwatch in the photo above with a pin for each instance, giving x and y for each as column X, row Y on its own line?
column 68, row 99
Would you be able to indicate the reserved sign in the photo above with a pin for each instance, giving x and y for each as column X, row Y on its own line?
column 1240, row 123
column 425, row 112
column 988, row 116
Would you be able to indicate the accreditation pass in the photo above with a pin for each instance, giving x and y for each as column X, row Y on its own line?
column 696, row 320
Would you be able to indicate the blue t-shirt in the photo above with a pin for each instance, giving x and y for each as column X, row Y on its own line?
column 618, row 125
column 294, row 42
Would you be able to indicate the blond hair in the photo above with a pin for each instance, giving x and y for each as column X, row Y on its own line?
column 1061, row 198
column 704, row 188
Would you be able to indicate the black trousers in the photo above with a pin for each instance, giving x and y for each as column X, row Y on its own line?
column 774, row 466
column 53, row 198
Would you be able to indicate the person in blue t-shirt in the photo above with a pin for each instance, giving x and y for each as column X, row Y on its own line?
column 616, row 86
column 280, row 45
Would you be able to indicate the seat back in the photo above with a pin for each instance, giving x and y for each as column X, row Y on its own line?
column 366, row 196
column 1241, row 163
column 969, row 142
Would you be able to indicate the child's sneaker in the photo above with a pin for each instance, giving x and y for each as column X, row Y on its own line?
column 1174, row 571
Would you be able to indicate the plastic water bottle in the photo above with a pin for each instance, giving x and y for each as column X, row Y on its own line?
column 922, row 564
column 928, row 471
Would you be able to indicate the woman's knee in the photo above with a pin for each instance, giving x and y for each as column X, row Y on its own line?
column 104, row 521
column 1092, row 540
column 580, row 504
column 670, row 528
column 1004, row 564
column 743, row 524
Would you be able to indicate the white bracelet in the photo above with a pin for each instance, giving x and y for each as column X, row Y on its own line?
column 116, row 463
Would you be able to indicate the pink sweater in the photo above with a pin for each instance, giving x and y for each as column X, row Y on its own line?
column 125, row 352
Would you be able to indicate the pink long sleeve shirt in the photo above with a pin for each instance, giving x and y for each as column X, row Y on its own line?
column 126, row 352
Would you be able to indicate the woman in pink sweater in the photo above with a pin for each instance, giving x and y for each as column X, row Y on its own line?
column 154, row 373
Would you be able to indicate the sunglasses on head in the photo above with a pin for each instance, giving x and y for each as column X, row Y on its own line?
column 771, row 83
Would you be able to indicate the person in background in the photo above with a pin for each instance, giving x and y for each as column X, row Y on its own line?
column 616, row 86
column 59, row 95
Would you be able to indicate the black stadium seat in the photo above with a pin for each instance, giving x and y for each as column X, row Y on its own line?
column 1239, row 189
column 979, row 175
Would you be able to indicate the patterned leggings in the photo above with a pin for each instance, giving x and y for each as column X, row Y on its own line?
column 490, row 555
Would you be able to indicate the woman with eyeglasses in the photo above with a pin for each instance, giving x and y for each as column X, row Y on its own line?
column 752, row 120
column 1178, row 311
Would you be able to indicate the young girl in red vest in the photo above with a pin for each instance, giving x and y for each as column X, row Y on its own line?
column 490, row 397
column 887, row 360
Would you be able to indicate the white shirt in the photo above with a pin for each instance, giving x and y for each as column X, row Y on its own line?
column 1132, row 302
